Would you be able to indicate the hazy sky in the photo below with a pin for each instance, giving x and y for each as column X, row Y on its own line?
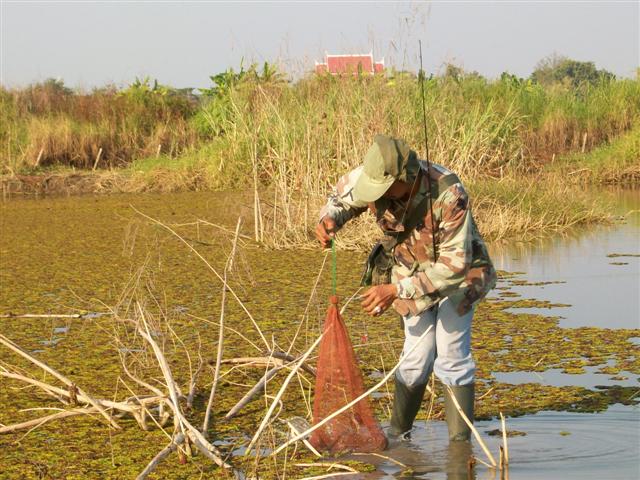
column 181, row 43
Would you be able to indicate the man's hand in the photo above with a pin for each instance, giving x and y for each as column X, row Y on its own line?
column 325, row 231
column 377, row 299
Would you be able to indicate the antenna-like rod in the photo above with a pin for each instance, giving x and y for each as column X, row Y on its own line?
column 426, row 147
column 424, row 107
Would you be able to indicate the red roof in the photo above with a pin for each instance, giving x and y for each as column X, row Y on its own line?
column 339, row 64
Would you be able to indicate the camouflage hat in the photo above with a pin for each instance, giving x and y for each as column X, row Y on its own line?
column 387, row 160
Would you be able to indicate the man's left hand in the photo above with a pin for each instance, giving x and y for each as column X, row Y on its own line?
column 377, row 299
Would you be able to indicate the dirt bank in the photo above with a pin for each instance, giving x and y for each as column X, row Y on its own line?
column 65, row 183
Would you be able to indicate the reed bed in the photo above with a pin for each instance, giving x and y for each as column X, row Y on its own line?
column 288, row 143
column 47, row 124
column 322, row 123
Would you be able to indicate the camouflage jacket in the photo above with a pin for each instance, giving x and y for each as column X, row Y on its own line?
column 463, row 271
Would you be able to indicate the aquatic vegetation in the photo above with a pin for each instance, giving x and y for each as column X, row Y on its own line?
column 90, row 268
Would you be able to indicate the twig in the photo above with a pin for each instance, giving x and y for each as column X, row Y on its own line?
column 95, row 164
column 311, row 448
column 504, row 439
column 42, row 420
column 329, row 475
column 328, row 465
column 306, row 308
column 164, row 453
column 215, row 272
column 56, row 391
column 266, row 418
column 470, row 425
column 15, row 348
column 344, row 307
column 42, row 315
column 379, row 455
column 246, row 237
column 194, row 382
column 485, row 464
column 253, row 361
column 486, row 393
column 253, row 392
column 39, row 157
column 290, row 358
column 216, row 372
column 206, row 320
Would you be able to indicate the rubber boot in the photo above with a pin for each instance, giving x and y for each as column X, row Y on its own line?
column 458, row 457
column 458, row 428
column 406, row 403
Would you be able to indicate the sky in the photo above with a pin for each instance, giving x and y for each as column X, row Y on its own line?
column 95, row 43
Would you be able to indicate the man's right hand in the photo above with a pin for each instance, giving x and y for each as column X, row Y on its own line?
column 325, row 231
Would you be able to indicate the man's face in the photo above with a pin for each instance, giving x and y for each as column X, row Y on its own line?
column 397, row 191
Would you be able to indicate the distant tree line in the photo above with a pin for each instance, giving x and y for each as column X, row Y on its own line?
column 550, row 70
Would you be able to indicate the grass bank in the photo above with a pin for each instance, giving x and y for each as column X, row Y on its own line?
column 616, row 162
column 289, row 142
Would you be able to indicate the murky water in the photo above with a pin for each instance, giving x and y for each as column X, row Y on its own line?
column 597, row 270
column 56, row 254
column 556, row 445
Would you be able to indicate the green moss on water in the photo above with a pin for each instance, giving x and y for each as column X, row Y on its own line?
column 77, row 254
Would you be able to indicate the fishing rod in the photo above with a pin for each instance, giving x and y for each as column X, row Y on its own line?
column 426, row 147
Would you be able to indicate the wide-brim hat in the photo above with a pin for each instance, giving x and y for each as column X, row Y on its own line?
column 387, row 160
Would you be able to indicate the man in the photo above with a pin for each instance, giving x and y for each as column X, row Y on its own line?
column 431, row 265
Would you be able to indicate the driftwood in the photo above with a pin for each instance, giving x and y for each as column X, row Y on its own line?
column 12, row 346
column 42, row 420
column 162, row 454
column 259, row 386
column 293, row 371
column 255, row 390
column 277, row 359
column 182, row 424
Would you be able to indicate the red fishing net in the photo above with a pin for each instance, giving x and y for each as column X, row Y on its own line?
column 338, row 382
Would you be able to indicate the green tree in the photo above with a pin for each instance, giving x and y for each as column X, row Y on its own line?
column 557, row 69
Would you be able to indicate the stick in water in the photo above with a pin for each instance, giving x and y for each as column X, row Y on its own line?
column 504, row 439
column 266, row 418
column 216, row 373
column 473, row 429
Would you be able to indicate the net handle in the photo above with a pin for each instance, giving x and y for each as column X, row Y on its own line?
column 334, row 267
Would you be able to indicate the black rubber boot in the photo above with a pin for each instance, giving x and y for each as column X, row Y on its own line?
column 458, row 428
column 406, row 403
column 458, row 456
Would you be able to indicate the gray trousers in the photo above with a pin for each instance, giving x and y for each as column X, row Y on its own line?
column 446, row 349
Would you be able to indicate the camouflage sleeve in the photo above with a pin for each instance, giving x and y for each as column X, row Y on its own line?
column 440, row 279
column 341, row 206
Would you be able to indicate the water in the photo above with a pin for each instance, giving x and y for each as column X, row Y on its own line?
column 601, row 294
column 557, row 445
column 555, row 377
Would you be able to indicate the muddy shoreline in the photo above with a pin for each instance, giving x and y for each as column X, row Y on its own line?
column 58, row 184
